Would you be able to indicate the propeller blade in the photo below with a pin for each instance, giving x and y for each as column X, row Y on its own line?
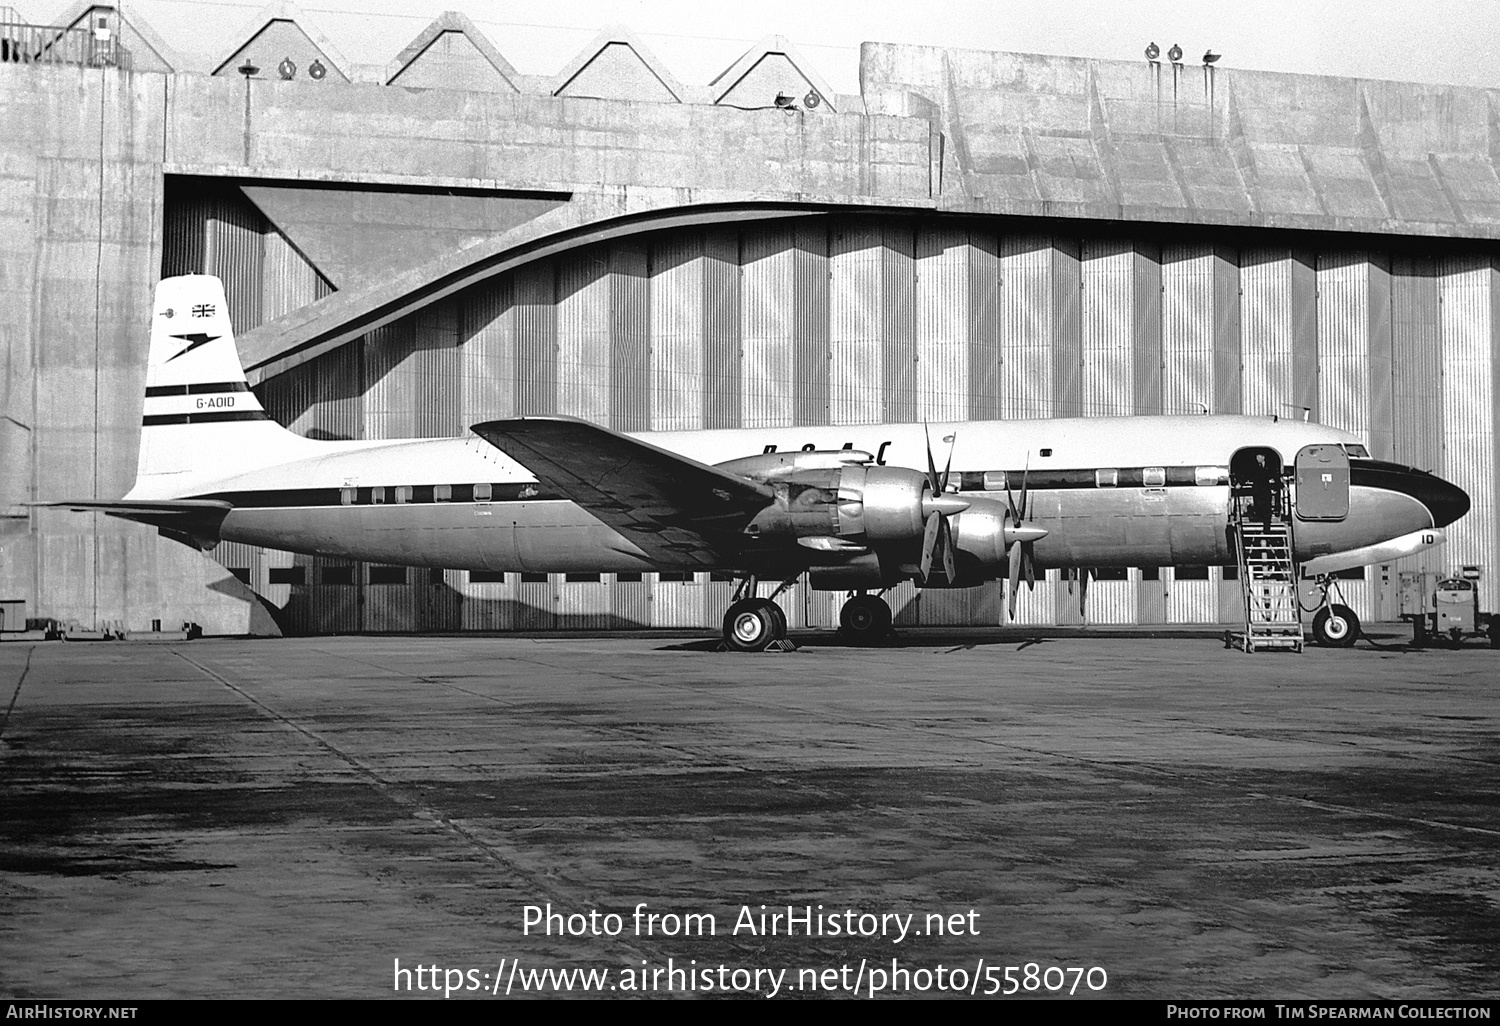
column 932, row 475
column 952, row 444
column 950, row 555
column 1030, row 566
column 1083, row 589
column 1025, row 488
column 929, row 543
column 1016, row 559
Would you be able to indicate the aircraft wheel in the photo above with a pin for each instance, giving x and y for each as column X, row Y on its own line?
column 1335, row 627
column 865, row 619
column 751, row 625
column 779, row 616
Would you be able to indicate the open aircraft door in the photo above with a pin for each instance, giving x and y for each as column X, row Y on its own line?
column 1322, row 483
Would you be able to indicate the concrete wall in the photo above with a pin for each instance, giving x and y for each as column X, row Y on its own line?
column 916, row 317
column 361, row 132
column 775, row 323
column 82, row 209
column 1066, row 136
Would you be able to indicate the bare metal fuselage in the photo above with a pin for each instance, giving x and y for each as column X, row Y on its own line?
column 1183, row 524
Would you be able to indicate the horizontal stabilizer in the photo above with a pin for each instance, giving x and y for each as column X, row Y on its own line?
column 677, row 510
column 194, row 522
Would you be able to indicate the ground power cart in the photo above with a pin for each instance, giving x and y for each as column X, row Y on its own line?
column 1445, row 610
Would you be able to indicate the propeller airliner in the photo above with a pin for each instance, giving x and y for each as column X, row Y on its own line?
column 857, row 508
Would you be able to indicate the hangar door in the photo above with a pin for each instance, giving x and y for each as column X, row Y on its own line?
column 1322, row 483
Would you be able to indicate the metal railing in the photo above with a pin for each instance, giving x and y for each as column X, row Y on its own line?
column 49, row 44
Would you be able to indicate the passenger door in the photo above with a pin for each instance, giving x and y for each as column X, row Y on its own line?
column 1322, row 483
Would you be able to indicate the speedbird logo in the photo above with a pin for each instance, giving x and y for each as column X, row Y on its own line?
column 193, row 341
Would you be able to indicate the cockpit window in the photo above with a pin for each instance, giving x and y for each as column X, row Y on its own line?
column 1357, row 452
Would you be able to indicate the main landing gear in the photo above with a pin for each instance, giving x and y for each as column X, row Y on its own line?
column 865, row 619
column 1335, row 625
column 754, row 624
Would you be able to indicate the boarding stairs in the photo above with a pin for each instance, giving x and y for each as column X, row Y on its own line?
column 1268, row 579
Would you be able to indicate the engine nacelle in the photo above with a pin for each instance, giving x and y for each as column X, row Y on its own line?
column 979, row 533
column 860, row 572
column 869, row 505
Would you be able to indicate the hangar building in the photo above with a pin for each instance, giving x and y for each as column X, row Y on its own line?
column 414, row 248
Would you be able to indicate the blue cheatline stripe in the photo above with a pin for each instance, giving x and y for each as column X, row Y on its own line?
column 204, row 388
column 283, row 498
column 160, row 419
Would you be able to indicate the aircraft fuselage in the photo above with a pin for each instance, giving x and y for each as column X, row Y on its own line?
column 1140, row 491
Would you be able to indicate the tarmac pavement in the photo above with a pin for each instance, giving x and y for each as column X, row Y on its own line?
column 288, row 818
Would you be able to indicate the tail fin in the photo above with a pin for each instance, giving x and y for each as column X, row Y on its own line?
column 201, row 421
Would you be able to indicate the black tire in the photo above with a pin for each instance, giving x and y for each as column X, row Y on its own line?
column 778, row 617
column 1335, row 627
column 865, row 619
column 750, row 625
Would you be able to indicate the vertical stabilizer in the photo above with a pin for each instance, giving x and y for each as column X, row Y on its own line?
column 201, row 422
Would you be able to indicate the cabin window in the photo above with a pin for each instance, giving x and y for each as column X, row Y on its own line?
column 481, row 493
column 1046, row 452
column 1106, row 478
column 387, row 575
column 442, row 493
column 346, row 496
column 403, row 493
column 486, row 577
column 1154, row 477
column 1207, row 477
column 288, row 575
column 1358, row 452
column 377, row 496
column 994, row 480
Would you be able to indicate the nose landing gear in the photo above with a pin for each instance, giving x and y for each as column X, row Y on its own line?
column 1335, row 625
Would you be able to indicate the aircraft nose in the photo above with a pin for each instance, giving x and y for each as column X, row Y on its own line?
column 1447, row 502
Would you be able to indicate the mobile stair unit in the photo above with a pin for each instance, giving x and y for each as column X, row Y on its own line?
column 1262, row 534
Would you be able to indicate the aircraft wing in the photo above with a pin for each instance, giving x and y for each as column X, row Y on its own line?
column 675, row 509
column 194, row 522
